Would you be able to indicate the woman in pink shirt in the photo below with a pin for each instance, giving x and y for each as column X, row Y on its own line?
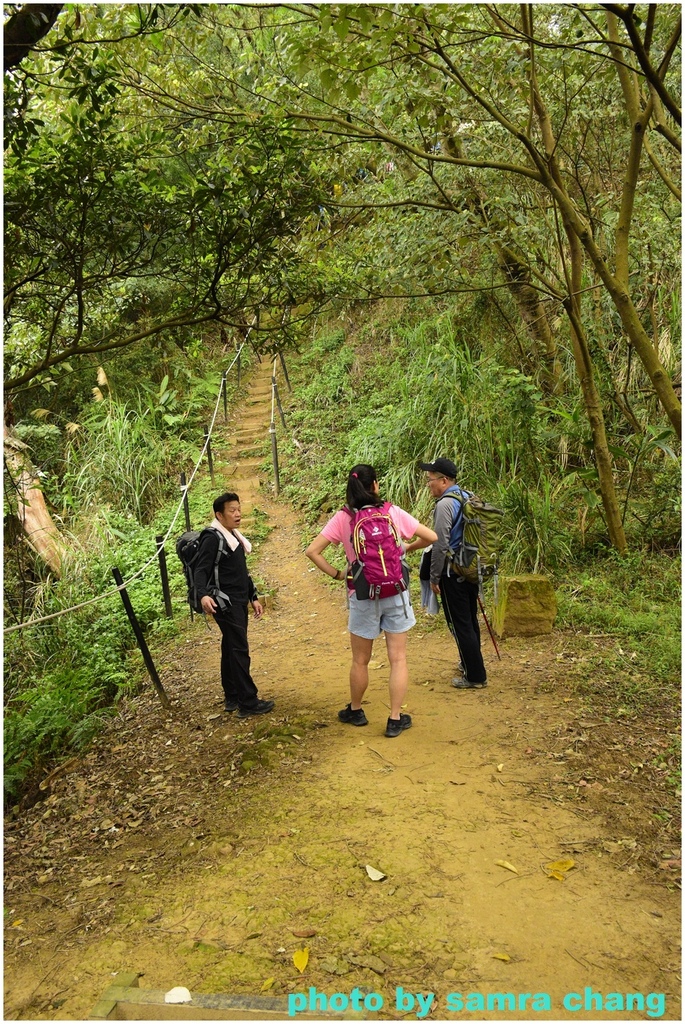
column 371, row 616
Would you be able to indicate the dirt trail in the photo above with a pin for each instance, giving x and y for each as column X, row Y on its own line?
column 190, row 846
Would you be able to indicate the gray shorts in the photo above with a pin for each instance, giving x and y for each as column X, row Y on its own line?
column 368, row 619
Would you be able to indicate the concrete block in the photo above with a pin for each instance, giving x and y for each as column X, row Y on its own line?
column 526, row 606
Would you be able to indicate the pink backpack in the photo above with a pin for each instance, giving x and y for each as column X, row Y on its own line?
column 379, row 570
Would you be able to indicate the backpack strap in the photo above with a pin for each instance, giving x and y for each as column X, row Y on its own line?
column 219, row 596
column 460, row 498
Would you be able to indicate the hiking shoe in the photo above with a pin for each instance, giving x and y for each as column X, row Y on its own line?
column 230, row 705
column 396, row 725
column 262, row 707
column 353, row 717
column 463, row 684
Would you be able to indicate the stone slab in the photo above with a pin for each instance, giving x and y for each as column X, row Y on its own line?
column 526, row 606
column 124, row 1000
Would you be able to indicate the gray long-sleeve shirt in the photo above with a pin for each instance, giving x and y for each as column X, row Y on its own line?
column 447, row 511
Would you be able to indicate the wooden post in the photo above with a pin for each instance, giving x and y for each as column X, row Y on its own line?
column 186, row 509
column 165, row 577
column 209, row 455
column 147, row 658
column 285, row 371
column 274, row 455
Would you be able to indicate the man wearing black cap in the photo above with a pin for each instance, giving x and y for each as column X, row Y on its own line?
column 459, row 596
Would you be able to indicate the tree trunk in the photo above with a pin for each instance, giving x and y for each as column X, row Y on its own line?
column 533, row 314
column 573, row 304
column 39, row 528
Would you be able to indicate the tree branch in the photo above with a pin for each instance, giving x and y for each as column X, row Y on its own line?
column 26, row 28
column 654, row 76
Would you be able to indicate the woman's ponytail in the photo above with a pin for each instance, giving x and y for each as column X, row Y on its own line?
column 360, row 487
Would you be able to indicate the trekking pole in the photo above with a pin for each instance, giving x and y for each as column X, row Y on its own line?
column 492, row 635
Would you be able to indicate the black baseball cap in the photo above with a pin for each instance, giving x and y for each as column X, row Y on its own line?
column 442, row 466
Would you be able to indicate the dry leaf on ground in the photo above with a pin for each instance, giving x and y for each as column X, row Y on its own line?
column 507, row 865
column 558, row 868
column 301, row 958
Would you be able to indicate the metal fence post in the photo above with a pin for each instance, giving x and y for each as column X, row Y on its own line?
column 147, row 657
column 274, row 455
column 285, row 371
column 274, row 385
column 210, row 461
column 165, row 577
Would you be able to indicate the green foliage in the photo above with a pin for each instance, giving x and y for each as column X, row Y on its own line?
column 45, row 444
column 117, row 459
column 635, row 600
column 63, row 712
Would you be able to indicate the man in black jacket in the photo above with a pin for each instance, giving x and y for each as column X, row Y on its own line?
column 228, row 603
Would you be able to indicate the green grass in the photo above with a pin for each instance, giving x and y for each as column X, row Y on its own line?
column 632, row 606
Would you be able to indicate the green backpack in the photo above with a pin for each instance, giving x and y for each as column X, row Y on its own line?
column 474, row 540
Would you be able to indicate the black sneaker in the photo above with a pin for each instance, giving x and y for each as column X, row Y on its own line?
column 463, row 684
column 230, row 705
column 262, row 707
column 353, row 717
column 396, row 725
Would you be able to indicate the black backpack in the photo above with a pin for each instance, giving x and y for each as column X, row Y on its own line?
column 187, row 549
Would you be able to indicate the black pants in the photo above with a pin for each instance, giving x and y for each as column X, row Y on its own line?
column 460, row 605
column 236, row 680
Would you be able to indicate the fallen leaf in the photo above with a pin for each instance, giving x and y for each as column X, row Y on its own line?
column 374, row 874
column 269, row 983
column 500, row 767
column 501, row 956
column 561, row 865
column 301, row 958
column 303, row 933
column 507, row 865
column 560, row 877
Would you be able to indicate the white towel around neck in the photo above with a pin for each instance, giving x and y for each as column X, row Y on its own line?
column 233, row 537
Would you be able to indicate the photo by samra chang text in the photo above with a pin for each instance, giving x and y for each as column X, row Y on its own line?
column 420, row 1004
